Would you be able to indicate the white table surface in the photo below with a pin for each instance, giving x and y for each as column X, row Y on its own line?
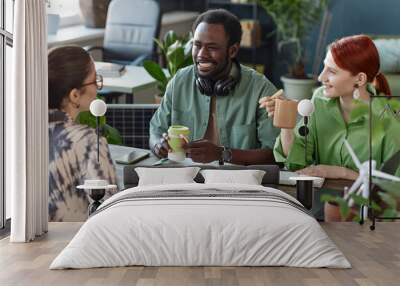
column 134, row 79
column 74, row 35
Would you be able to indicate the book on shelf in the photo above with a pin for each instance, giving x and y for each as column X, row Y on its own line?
column 109, row 69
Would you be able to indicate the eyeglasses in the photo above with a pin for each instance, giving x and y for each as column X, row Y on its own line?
column 98, row 82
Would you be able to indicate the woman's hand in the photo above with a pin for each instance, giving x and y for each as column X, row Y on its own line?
column 268, row 102
column 329, row 172
column 287, row 135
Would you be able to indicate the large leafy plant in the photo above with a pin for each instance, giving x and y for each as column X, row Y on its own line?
column 293, row 20
column 388, row 192
column 176, row 53
column 110, row 133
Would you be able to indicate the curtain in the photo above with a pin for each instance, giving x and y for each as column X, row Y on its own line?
column 27, row 123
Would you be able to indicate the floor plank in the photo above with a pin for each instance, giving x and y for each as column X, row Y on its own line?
column 374, row 255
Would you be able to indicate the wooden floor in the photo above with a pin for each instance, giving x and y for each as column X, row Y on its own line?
column 375, row 257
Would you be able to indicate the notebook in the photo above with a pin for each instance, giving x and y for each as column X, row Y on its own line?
column 109, row 69
column 132, row 157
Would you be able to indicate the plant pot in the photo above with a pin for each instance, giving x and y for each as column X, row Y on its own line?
column 53, row 23
column 94, row 12
column 298, row 89
column 332, row 213
column 157, row 99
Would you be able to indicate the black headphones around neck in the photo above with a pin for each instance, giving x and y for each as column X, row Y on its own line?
column 223, row 86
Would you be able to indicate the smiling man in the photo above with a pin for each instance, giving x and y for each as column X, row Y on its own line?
column 217, row 98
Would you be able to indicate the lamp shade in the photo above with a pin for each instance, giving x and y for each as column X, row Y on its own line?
column 305, row 107
column 98, row 107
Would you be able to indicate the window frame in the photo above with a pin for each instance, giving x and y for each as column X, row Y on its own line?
column 6, row 39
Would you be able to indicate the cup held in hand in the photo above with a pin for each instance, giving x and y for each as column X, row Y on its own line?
column 285, row 114
column 175, row 133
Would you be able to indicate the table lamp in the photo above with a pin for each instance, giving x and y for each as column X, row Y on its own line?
column 96, row 188
column 98, row 108
column 304, row 184
column 305, row 108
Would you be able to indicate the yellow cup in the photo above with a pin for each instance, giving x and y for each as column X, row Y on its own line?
column 175, row 142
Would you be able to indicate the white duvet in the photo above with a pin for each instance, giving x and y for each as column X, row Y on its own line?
column 183, row 231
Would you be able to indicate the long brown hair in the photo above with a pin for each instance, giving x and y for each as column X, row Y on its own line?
column 68, row 68
column 359, row 54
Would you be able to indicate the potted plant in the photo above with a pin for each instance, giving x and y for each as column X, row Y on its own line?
column 293, row 20
column 176, row 53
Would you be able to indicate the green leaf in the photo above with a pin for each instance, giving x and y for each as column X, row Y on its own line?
column 169, row 38
column 390, row 212
column 188, row 47
column 389, row 200
column 343, row 205
column 328, row 198
column 155, row 71
column 160, row 45
column 85, row 117
column 388, row 186
column 359, row 200
column 177, row 54
column 112, row 135
column 375, row 206
column 344, row 208
column 161, row 87
column 176, row 57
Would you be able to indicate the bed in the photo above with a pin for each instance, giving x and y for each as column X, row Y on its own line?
column 197, row 224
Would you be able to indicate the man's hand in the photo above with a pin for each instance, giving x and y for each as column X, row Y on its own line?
column 203, row 151
column 329, row 172
column 162, row 148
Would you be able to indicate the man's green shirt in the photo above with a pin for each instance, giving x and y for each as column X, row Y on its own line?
column 328, row 131
column 241, row 123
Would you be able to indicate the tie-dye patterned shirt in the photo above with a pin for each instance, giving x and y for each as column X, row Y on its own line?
column 72, row 159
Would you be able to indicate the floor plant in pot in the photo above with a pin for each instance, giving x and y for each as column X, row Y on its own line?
column 293, row 20
column 176, row 53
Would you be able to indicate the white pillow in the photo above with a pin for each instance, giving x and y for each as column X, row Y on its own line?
column 166, row 176
column 248, row 177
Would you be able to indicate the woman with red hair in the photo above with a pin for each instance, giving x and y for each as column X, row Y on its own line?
column 351, row 71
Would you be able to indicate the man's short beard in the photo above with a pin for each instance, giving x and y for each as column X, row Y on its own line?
column 216, row 74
